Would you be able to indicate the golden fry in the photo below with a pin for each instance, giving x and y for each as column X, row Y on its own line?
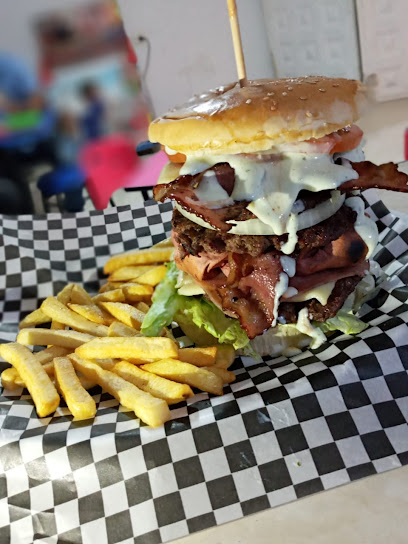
column 198, row 356
column 38, row 383
column 106, row 364
column 168, row 242
column 129, row 272
column 120, row 329
column 79, row 401
column 92, row 312
column 64, row 296
column 142, row 256
column 57, row 326
column 167, row 390
column 153, row 277
column 143, row 307
column 79, row 295
column 106, row 287
column 225, row 356
column 134, row 348
column 37, row 317
column 48, row 354
column 58, row 311
column 11, row 380
column 137, row 293
column 115, row 295
column 226, row 375
column 127, row 314
column 44, row 337
column 186, row 373
column 149, row 409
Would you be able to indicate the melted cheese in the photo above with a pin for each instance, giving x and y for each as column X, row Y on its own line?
column 272, row 183
column 187, row 286
column 320, row 293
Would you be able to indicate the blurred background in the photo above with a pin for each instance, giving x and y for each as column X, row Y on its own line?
column 80, row 81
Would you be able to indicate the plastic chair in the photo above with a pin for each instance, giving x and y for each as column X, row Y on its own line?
column 112, row 163
column 64, row 180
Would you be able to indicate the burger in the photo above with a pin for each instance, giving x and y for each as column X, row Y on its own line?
column 273, row 247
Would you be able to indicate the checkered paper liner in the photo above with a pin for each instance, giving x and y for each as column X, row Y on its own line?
column 285, row 429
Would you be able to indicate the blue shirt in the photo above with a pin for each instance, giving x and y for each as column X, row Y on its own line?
column 17, row 81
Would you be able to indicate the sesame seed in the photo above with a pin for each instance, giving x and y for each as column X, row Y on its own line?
column 309, row 114
column 284, row 93
column 271, row 94
column 335, row 85
column 289, row 88
column 322, row 90
column 248, row 101
column 303, row 97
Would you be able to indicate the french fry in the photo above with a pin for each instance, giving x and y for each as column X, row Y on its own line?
column 64, row 296
column 153, row 277
column 149, row 409
column 167, row 390
column 143, row 307
column 106, row 287
column 38, row 383
column 47, row 355
column 58, row 311
column 92, row 312
column 127, row 314
column 137, row 293
column 106, row 364
column 115, row 295
column 120, row 329
column 79, row 401
column 57, row 326
column 225, row 356
column 226, row 375
column 133, row 348
column 129, row 272
column 186, row 373
column 198, row 356
column 79, row 295
column 44, row 337
column 37, row 317
column 142, row 256
column 11, row 380
column 86, row 382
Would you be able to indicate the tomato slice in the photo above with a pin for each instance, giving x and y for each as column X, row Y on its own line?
column 345, row 139
column 179, row 158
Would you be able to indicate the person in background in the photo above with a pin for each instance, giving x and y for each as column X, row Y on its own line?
column 93, row 119
column 19, row 88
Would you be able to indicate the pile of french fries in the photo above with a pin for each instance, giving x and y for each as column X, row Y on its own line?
column 96, row 340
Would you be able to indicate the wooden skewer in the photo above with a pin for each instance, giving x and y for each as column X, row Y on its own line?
column 236, row 40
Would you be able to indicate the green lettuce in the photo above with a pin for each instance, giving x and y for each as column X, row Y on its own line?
column 165, row 303
column 168, row 305
column 343, row 321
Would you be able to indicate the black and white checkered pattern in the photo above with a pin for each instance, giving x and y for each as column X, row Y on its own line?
column 285, row 429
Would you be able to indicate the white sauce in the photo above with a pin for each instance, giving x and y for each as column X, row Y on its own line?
column 288, row 265
column 292, row 228
column 280, row 288
column 304, row 326
column 364, row 226
column 273, row 184
column 211, row 192
column 320, row 293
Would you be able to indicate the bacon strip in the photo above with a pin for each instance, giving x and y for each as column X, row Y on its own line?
column 182, row 191
column 371, row 176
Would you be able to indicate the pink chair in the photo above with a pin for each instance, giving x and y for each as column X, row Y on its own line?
column 112, row 163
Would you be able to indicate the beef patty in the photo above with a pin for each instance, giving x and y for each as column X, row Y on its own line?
column 194, row 239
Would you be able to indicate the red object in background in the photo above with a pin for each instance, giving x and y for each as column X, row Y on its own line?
column 131, row 54
column 406, row 144
column 112, row 163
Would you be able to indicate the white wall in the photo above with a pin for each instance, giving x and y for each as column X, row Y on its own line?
column 17, row 17
column 191, row 45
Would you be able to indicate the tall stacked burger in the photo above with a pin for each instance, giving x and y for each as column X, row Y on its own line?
column 272, row 243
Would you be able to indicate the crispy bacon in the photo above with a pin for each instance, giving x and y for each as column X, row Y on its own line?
column 371, row 176
column 182, row 190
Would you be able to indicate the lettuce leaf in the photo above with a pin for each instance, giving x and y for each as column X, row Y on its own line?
column 168, row 305
column 165, row 304
column 343, row 321
column 207, row 316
